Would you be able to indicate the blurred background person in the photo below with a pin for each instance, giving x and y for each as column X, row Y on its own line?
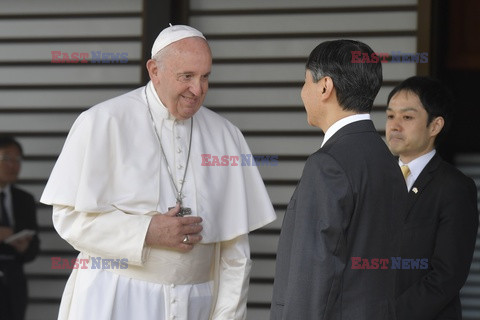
column 17, row 213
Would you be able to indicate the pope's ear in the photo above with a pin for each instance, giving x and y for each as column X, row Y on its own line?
column 152, row 68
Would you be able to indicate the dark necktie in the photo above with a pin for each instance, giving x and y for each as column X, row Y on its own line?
column 4, row 220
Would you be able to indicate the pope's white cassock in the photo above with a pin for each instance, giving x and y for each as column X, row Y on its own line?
column 109, row 180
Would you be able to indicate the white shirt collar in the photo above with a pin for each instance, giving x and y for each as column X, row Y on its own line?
column 416, row 167
column 342, row 123
column 6, row 190
column 8, row 202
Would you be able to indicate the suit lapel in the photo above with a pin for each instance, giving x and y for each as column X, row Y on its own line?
column 422, row 182
column 18, row 208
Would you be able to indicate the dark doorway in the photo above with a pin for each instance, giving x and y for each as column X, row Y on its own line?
column 455, row 53
column 157, row 16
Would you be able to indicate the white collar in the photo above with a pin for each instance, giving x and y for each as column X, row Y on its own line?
column 157, row 107
column 342, row 123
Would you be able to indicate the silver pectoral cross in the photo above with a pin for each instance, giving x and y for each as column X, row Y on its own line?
column 183, row 210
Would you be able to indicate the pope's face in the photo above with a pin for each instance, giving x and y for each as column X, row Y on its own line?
column 407, row 132
column 10, row 161
column 182, row 77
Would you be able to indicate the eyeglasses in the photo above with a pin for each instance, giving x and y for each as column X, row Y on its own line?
column 10, row 159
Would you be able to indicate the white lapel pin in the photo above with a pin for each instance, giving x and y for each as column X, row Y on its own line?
column 415, row 190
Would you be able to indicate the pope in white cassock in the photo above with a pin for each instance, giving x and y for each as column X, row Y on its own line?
column 129, row 184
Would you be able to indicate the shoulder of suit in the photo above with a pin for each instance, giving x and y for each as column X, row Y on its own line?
column 348, row 143
column 452, row 175
column 20, row 192
column 324, row 157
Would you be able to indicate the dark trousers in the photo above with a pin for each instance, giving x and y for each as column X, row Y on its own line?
column 13, row 291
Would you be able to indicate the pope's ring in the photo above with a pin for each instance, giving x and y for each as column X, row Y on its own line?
column 185, row 239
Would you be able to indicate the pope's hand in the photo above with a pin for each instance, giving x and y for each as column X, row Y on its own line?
column 168, row 230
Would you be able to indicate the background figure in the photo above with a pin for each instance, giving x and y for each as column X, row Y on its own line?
column 129, row 185
column 17, row 213
column 347, row 203
column 441, row 222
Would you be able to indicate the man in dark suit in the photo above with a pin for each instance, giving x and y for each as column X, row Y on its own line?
column 441, row 221
column 17, row 213
column 344, row 214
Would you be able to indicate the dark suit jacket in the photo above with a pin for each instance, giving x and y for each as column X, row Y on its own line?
column 441, row 224
column 348, row 203
column 13, row 284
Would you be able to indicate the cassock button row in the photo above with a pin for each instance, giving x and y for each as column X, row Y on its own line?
column 179, row 150
column 179, row 166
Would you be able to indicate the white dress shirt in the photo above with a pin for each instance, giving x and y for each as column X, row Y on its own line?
column 8, row 204
column 416, row 167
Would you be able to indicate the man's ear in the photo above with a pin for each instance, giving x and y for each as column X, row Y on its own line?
column 436, row 125
column 327, row 87
column 152, row 68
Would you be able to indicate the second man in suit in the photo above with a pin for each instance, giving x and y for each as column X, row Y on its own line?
column 441, row 221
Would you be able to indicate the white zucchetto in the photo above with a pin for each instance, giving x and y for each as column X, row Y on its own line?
column 172, row 34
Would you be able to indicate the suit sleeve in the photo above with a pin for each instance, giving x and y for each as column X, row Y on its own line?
column 323, row 206
column 30, row 218
column 113, row 234
column 25, row 218
column 452, row 255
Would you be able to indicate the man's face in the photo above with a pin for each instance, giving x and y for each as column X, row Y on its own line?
column 407, row 132
column 311, row 96
column 10, row 160
column 181, row 81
